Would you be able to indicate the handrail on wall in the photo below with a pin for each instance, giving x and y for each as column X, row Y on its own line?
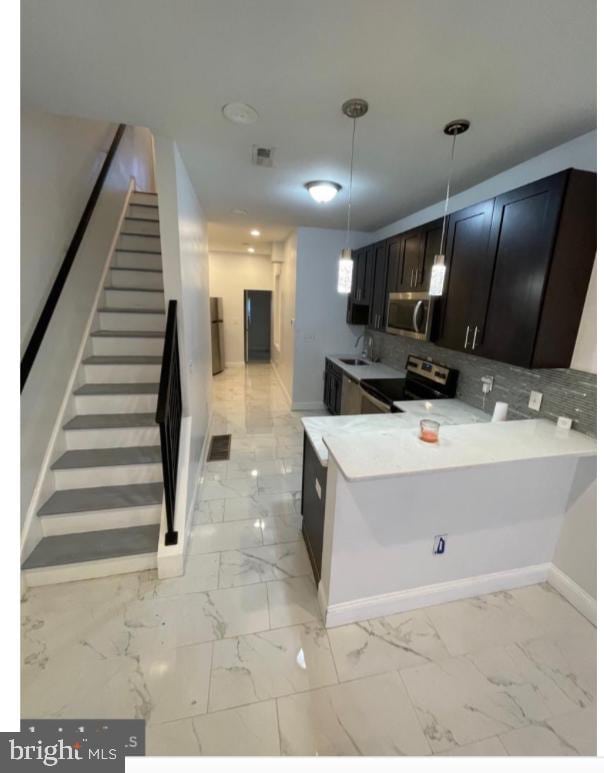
column 37, row 336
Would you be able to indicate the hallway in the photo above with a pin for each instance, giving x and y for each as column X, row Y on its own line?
column 232, row 657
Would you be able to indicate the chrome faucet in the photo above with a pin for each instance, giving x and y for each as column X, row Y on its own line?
column 356, row 343
column 369, row 348
column 367, row 351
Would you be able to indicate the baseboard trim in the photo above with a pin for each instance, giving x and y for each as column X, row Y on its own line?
column 312, row 406
column 429, row 595
column 281, row 384
column 573, row 593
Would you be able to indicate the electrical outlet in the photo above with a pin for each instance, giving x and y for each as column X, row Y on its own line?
column 564, row 422
column 487, row 384
column 440, row 543
column 535, row 401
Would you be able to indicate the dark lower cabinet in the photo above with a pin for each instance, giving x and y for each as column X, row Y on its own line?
column 332, row 387
column 314, row 479
column 542, row 245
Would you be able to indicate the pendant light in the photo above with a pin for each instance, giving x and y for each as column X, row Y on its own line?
column 353, row 108
column 437, row 278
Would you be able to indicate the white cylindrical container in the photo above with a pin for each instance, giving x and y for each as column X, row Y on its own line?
column 500, row 412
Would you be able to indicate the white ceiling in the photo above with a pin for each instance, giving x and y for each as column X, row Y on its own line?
column 523, row 71
column 237, row 238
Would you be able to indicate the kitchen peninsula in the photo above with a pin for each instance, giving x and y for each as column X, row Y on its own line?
column 496, row 493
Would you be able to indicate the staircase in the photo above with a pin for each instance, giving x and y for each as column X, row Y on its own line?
column 103, row 517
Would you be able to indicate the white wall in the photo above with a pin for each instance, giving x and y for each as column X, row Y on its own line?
column 61, row 157
column 283, row 356
column 46, row 386
column 576, row 552
column 321, row 326
column 579, row 153
column 230, row 274
column 585, row 356
column 185, row 263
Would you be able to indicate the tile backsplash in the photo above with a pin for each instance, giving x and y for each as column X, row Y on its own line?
column 566, row 392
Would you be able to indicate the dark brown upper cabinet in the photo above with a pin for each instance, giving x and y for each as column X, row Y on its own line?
column 469, row 274
column 377, row 307
column 362, row 275
column 518, row 268
column 357, row 312
column 410, row 262
column 542, row 245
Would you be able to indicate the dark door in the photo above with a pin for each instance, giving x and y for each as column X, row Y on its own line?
column 521, row 244
column 469, row 270
column 377, row 308
column 257, row 327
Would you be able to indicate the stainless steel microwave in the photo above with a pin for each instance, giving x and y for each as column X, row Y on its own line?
column 410, row 314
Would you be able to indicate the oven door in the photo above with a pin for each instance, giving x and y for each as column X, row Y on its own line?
column 372, row 404
column 410, row 314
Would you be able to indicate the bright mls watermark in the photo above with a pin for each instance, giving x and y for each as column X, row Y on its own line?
column 72, row 744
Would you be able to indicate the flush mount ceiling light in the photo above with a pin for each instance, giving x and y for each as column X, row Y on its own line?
column 239, row 112
column 251, row 249
column 437, row 277
column 254, row 232
column 353, row 108
column 322, row 191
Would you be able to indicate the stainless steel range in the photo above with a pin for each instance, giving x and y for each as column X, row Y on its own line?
column 425, row 380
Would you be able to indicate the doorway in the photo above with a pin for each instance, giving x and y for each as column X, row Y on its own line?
column 257, row 327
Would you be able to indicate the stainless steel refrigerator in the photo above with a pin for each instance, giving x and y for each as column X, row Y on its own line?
column 217, row 335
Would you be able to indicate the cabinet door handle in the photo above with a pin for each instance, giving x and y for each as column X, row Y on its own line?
column 474, row 339
column 465, row 346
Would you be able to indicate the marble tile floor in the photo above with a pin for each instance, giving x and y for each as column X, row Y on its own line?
column 232, row 658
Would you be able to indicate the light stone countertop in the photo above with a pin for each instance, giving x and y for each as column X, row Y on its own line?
column 371, row 370
column 394, row 451
column 445, row 411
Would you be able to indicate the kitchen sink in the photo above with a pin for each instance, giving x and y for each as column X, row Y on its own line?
column 353, row 361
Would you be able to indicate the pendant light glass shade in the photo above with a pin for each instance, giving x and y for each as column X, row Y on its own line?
column 437, row 277
column 439, row 268
column 353, row 108
column 345, row 266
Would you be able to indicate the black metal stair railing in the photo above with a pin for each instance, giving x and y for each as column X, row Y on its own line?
column 169, row 416
column 29, row 355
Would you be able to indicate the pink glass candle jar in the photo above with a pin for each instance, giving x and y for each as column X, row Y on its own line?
column 428, row 430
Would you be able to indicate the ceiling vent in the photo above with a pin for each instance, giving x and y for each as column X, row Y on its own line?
column 263, row 156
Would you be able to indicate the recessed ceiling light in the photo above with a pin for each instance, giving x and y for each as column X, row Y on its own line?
column 238, row 112
column 322, row 191
column 254, row 232
column 251, row 249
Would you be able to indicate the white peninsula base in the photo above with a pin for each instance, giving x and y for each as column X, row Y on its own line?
column 501, row 516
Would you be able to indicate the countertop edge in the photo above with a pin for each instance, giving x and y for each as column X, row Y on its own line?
column 453, row 468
